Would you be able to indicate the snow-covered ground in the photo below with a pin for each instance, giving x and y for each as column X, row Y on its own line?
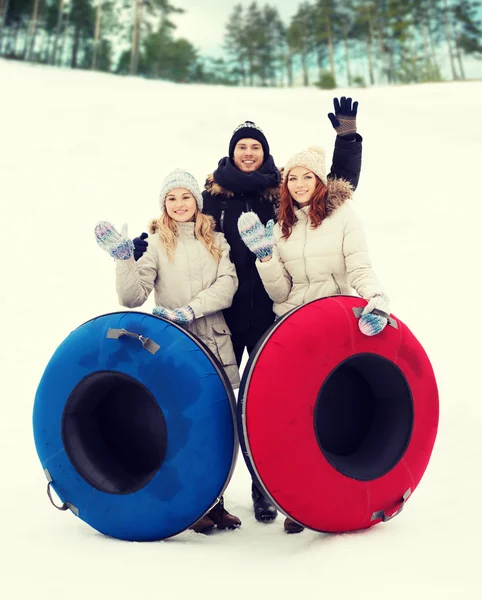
column 78, row 147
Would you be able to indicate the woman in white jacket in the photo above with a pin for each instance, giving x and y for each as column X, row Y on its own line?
column 187, row 265
column 316, row 249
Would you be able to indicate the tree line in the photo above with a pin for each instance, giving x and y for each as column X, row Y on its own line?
column 363, row 42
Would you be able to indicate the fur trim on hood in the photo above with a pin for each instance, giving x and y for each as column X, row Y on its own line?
column 213, row 188
column 153, row 226
column 339, row 191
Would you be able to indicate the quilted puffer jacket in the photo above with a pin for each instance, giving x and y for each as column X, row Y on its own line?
column 194, row 278
column 316, row 263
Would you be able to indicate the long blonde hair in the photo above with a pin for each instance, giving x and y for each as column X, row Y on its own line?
column 168, row 231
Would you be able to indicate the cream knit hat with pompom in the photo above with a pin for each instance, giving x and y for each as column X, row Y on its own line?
column 313, row 158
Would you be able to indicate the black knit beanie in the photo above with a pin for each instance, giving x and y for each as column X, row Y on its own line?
column 248, row 130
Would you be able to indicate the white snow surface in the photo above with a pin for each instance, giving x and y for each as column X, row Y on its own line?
column 77, row 147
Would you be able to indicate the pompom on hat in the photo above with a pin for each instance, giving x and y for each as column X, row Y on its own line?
column 180, row 179
column 313, row 158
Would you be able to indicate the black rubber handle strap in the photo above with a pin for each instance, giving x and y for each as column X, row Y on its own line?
column 381, row 514
column 147, row 343
column 65, row 505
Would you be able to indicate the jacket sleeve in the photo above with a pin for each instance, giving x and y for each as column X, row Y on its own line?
column 359, row 269
column 276, row 279
column 347, row 157
column 135, row 280
column 220, row 294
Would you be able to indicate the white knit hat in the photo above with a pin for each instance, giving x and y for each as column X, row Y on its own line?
column 313, row 158
column 180, row 179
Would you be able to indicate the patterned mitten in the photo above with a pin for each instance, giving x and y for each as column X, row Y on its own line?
column 344, row 119
column 370, row 323
column 269, row 231
column 118, row 245
column 257, row 237
column 181, row 316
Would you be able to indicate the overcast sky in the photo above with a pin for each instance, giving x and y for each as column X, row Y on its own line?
column 204, row 21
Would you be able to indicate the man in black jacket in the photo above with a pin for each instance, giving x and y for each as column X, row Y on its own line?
column 248, row 180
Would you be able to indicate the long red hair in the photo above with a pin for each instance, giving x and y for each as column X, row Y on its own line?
column 316, row 213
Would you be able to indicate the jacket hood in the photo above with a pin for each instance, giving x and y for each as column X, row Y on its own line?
column 339, row 191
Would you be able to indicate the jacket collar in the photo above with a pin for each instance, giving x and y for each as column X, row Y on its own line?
column 185, row 229
column 212, row 187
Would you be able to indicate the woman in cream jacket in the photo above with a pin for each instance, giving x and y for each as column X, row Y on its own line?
column 187, row 265
column 316, row 249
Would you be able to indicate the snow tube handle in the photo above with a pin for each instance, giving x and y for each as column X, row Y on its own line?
column 65, row 505
column 380, row 514
column 147, row 343
column 357, row 311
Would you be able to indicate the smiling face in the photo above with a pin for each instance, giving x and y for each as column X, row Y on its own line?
column 301, row 184
column 248, row 155
column 180, row 205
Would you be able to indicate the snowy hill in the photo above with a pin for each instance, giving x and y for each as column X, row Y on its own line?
column 77, row 147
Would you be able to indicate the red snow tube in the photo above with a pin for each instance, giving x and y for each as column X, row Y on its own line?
column 336, row 427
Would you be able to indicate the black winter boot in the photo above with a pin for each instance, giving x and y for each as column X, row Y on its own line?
column 264, row 511
column 292, row 526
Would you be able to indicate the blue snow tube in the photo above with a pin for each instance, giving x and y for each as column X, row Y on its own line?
column 134, row 424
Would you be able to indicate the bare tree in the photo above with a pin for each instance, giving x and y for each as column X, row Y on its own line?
column 29, row 46
column 139, row 9
column 4, row 5
column 58, row 29
column 448, row 37
column 98, row 18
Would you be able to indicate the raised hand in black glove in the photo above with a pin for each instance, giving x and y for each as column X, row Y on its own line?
column 344, row 119
column 140, row 246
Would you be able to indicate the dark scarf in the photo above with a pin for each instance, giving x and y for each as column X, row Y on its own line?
column 231, row 178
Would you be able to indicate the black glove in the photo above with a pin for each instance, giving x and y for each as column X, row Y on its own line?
column 344, row 119
column 140, row 246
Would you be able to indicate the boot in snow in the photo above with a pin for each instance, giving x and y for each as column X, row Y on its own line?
column 264, row 511
column 204, row 525
column 220, row 516
column 292, row 527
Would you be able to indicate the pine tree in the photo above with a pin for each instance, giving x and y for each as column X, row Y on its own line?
column 468, row 31
column 82, row 20
column 235, row 45
column 363, row 31
column 301, row 37
column 149, row 8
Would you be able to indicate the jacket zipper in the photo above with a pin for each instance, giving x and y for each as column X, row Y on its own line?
column 304, row 259
column 223, row 212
